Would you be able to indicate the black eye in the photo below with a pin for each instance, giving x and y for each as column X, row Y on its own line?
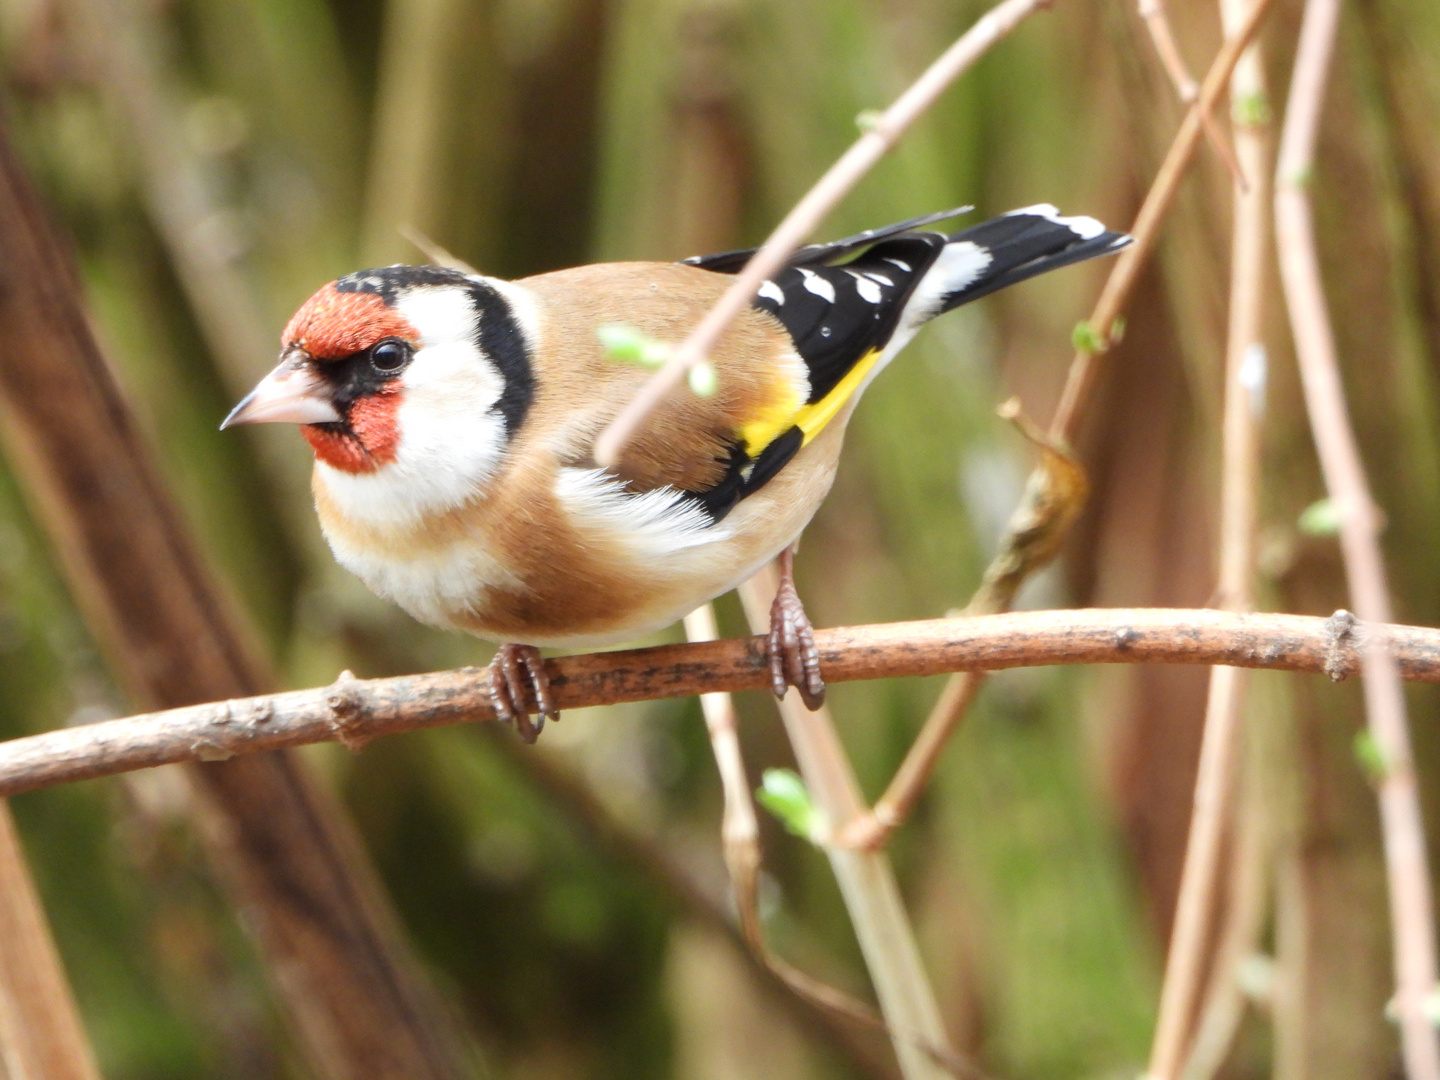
column 390, row 356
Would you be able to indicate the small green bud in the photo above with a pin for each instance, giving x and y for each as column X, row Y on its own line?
column 703, row 379
column 628, row 345
column 783, row 793
column 621, row 342
column 868, row 120
column 1086, row 338
column 1252, row 110
column 1321, row 518
column 1370, row 756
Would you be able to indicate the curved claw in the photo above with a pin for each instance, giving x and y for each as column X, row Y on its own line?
column 517, row 674
column 794, row 659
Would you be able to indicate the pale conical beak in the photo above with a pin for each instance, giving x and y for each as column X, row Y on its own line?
column 294, row 393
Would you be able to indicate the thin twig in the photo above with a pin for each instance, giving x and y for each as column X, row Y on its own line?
column 1084, row 366
column 740, row 841
column 739, row 828
column 866, row 879
column 1053, row 496
column 837, row 182
column 1247, row 904
column 1411, row 912
column 1153, row 12
column 1186, row 88
column 362, row 709
column 1215, row 785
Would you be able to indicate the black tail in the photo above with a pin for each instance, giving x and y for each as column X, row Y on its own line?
column 1027, row 242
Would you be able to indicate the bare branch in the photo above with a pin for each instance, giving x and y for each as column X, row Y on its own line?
column 694, row 890
column 810, row 211
column 1083, row 369
column 740, row 841
column 283, row 848
column 366, row 708
column 1153, row 12
column 1186, row 88
column 40, row 1031
column 1411, row 910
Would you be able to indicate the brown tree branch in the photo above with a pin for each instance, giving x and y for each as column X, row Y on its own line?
column 1402, row 824
column 40, row 1032
column 1153, row 12
column 353, row 711
column 285, row 853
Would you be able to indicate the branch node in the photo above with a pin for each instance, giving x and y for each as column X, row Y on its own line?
column 1341, row 646
column 347, row 707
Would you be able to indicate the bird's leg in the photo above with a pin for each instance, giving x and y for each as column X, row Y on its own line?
column 516, row 673
column 794, row 660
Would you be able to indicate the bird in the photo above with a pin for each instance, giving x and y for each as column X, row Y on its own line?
column 453, row 418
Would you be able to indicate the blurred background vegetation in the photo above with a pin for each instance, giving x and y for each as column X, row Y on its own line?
column 218, row 160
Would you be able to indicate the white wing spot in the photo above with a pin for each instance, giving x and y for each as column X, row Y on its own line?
column 816, row 284
column 771, row 291
column 879, row 278
column 868, row 290
column 1087, row 228
column 901, row 263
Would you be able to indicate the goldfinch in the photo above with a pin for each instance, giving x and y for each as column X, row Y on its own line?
column 452, row 417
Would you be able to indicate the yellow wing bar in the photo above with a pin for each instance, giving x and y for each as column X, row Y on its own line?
column 810, row 419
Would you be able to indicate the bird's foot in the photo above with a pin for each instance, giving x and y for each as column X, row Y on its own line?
column 794, row 660
column 517, row 674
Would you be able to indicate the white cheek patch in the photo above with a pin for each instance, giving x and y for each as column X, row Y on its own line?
column 451, row 439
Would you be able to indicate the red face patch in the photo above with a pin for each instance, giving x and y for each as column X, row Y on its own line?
column 370, row 442
column 332, row 324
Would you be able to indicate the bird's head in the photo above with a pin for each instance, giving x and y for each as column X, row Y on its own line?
column 417, row 376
